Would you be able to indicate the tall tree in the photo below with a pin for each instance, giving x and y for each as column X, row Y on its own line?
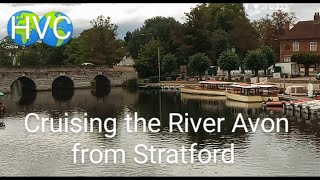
column 156, row 28
column 255, row 60
column 229, row 61
column 169, row 63
column 271, row 28
column 56, row 56
column 98, row 44
column 307, row 59
column 269, row 55
column 5, row 59
column 147, row 62
column 212, row 28
column 30, row 57
column 199, row 63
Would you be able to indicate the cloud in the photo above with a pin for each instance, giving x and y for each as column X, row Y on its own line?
column 131, row 16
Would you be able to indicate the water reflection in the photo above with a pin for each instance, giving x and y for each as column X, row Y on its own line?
column 62, row 94
column 293, row 153
column 22, row 94
column 100, row 92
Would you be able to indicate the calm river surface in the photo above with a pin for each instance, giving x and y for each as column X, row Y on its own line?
column 49, row 154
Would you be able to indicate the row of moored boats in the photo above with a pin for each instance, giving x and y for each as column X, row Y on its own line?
column 265, row 93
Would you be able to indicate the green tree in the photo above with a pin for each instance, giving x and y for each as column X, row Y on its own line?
column 199, row 63
column 56, row 56
column 212, row 28
column 42, row 49
column 307, row 59
column 147, row 62
column 30, row 57
column 255, row 60
column 77, row 52
column 271, row 28
column 97, row 45
column 270, row 56
column 158, row 28
column 5, row 59
column 169, row 63
column 229, row 61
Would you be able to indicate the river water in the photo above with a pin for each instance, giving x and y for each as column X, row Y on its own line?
column 22, row 153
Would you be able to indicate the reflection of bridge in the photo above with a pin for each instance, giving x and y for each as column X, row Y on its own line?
column 47, row 77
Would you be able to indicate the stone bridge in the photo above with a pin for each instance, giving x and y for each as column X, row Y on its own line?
column 41, row 78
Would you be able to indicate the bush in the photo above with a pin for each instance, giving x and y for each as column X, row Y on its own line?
column 154, row 79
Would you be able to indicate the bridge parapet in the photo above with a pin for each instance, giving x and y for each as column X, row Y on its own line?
column 43, row 76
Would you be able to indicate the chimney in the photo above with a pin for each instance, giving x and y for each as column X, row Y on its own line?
column 316, row 18
column 286, row 27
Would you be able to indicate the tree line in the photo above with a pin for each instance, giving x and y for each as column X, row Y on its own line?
column 97, row 45
column 212, row 34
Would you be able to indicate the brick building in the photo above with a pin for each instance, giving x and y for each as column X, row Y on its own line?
column 302, row 37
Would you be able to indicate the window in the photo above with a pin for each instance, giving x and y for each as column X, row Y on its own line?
column 295, row 46
column 287, row 59
column 313, row 46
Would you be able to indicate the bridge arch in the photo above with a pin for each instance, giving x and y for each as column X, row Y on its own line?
column 62, row 82
column 23, row 83
column 23, row 90
column 100, row 85
column 63, row 88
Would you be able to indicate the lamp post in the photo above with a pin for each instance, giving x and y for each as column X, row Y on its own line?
column 159, row 67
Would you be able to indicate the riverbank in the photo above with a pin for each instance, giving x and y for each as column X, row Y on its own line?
column 280, row 83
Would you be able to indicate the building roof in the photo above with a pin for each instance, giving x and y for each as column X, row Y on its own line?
column 303, row 30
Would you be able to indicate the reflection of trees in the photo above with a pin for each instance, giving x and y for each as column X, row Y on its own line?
column 110, row 105
column 148, row 107
column 199, row 109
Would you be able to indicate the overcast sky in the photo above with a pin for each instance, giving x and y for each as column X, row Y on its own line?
column 129, row 17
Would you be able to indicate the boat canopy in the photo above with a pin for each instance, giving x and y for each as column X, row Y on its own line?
column 215, row 82
column 267, row 86
column 245, row 86
column 296, row 90
column 1, row 93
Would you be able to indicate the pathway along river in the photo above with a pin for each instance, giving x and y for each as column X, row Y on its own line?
column 49, row 154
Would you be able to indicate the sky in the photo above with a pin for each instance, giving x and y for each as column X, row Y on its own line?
column 129, row 17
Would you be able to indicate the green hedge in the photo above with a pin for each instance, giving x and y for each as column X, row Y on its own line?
column 155, row 79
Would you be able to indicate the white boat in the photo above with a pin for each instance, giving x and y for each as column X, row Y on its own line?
column 244, row 93
column 296, row 91
column 212, row 88
column 268, row 92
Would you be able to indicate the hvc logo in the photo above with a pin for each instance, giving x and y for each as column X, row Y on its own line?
column 54, row 29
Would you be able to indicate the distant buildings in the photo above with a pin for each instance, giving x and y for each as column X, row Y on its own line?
column 302, row 37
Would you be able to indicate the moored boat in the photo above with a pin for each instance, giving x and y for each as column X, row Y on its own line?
column 296, row 91
column 268, row 92
column 188, row 96
column 244, row 93
column 274, row 104
column 238, row 104
column 212, row 88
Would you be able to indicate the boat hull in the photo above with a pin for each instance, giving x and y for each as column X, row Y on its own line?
column 272, row 98
column 202, row 92
column 242, row 98
column 187, row 96
column 238, row 104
